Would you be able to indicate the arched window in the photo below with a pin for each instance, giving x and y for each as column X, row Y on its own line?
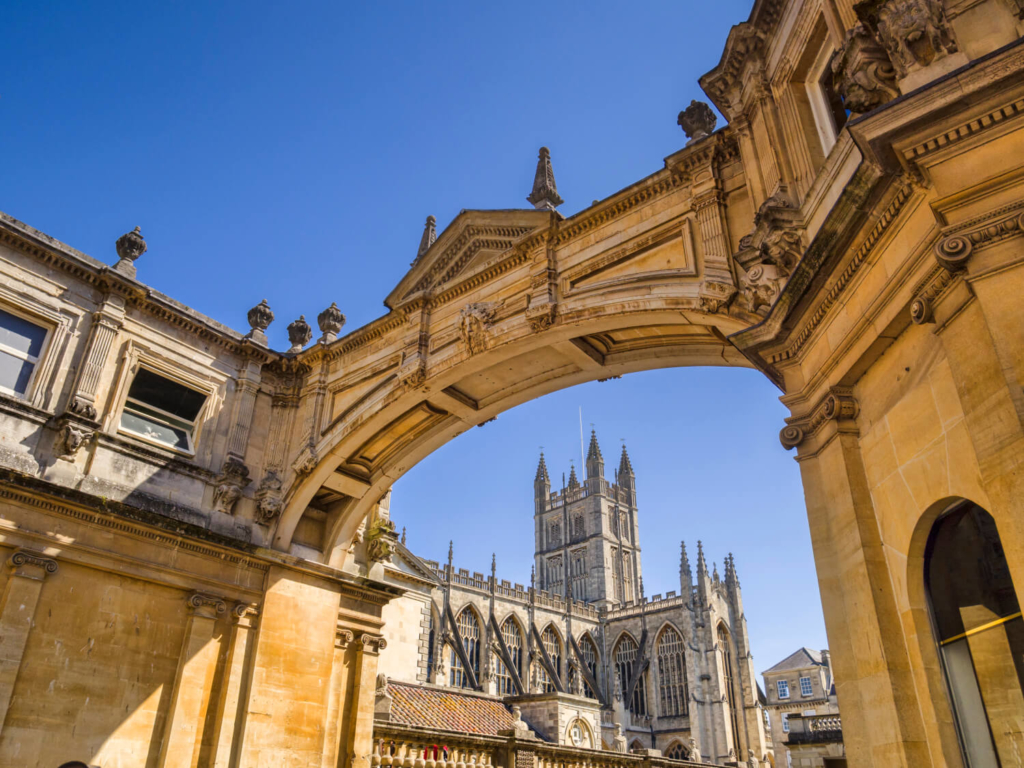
column 636, row 746
column 469, row 631
column 579, row 574
column 578, row 530
column 677, row 751
column 625, row 654
column 514, row 642
column 589, row 653
column 980, row 632
column 554, row 535
column 554, row 583
column 672, row 674
column 725, row 641
column 554, row 649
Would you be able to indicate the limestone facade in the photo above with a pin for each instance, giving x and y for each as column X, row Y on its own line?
column 667, row 669
column 196, row 568
column 799, row 688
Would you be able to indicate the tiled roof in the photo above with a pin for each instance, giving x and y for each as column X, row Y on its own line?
column 805, row 657
column 446, row 710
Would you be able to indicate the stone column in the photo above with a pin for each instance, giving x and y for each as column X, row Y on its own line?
column 17, row 610
column 360, row 737
column 882, row 722
column 335, row 731
column 192, row 683
column 234, row 689
column 105, row 324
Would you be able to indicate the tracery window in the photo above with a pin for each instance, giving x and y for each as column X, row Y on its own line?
column 672, row 674
column 469, row 631
column 553, row 646
column 588, row 652
column 579, row 574
column 678, row 752
column 725, row 641
column 578, row 527
column 554, row 582
column 514, row 642
column 625, row 655
column 554, row 534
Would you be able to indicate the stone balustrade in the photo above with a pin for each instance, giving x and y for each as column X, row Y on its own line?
column 814, row 729
column 411, row 747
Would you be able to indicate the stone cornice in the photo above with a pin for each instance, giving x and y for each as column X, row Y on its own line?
column 56, row 254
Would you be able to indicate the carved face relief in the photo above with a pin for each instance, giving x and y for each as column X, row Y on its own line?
column 914, row 32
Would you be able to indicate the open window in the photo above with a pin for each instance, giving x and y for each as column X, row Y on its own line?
column 21, row 346
column 162, row 411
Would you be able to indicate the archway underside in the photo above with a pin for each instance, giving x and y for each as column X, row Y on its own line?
column 391, row 424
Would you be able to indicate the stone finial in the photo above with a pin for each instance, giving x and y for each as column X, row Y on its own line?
column 403, row 535
column 494, row 564
column 451, row 551
column 697, row 121
column 574, row 481
column 545, row 194
column 429, row 236
column 260, row 317
column 129, row 247
column 299, row 334
column 331, row 322
column 533, row 576
column 702, row 565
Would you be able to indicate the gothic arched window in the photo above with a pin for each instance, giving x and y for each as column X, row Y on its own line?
column 672, row 674
column 578, row 530
column 980, row 632
column 469, row 631
column 553, row 646
column 725, row 641
column 514, row 642
column 579, row 575
column 588, row 652
column 554, row 534
column 625, row 655
column 677, row 752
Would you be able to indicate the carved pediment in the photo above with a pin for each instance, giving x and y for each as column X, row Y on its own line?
column 472, row 243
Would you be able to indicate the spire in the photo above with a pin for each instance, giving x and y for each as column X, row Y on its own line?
column 595, row 461
column 429, row 236
column 714, row 576
column 702, row 566
column 494, row 565
column 730, row 571
column 542, row 471
column 545, row 194
column 573, row 480
column 684, row 563
column 451, row 552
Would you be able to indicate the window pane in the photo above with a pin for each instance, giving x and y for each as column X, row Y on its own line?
column 20, row 335
column 14, row 373
column 166, row 395
column 142, row 424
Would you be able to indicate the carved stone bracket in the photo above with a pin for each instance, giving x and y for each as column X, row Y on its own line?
column 542, row 317
column 72, row 436
column 770, row 253
column 268, row 498
column 208, row 606
column 862, row 73
column 838, row 405
column 381, row 540
column 233, row 478
column 31, row 564
column 914, row 32
column 342, row 638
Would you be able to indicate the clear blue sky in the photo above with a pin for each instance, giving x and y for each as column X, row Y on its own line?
column 292, row 152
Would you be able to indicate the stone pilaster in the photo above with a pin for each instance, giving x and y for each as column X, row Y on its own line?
column 245, row 403
column 335, row 728
column 17, row 612
column 368, row 648
column 106, row 322
column 234, row 689
column 192, row 683
column 718, row 285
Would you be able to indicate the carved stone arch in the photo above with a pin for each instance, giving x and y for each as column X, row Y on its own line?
column 618, row 639
column 667, row 624
column 586, row 635
column 677, row 750
column 520, row 624
column 481, row 622
column 552, row 625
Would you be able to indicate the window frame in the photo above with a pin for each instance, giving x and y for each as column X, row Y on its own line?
column 781, row 685
column 828, row 132
column 49, row 326
column 137, row 359
column 810, row 687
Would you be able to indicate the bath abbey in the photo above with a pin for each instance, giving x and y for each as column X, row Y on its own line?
column 200, row 565
column 582, row 651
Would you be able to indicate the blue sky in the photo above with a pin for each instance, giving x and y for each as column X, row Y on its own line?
column 292, row 152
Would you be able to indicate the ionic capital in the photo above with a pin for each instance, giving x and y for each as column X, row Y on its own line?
column 838, row 405
column 372, row 644
column 245, row 614
column 31, row 565
column 206, row 606
column 342, row 638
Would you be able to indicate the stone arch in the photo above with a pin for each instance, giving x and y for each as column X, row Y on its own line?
column 668, row 623
column 520, row 624
column 618, row 639
column 589, row 741
column 553, row 626
column 636, row 746
column 672, row 683
column 677, row 751
column 390, row 393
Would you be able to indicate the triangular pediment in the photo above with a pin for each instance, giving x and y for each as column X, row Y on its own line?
column 470, row 244
column 410, row 566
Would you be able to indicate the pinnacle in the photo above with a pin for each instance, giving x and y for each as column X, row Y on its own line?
column 594, row 451
column 545, row 194
column 684, row 561
column 573, row 480
column 702, row 566
column 542, row 471
column 429, row 236
column 625, row 465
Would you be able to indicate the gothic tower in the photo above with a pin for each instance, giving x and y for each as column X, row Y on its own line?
column 587, row 534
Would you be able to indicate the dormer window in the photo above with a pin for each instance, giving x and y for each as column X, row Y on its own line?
column 161, row 411
column 21, row 344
